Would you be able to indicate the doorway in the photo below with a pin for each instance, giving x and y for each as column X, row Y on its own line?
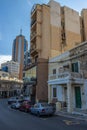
column 78, row 97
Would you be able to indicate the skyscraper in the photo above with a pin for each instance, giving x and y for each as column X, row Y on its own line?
column 20, row 45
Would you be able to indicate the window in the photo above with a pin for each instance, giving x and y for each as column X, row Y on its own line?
column 36, row 58
column 28, row 54
column 36, row 105
column 25, row 45
column 75, row 67
column 19, row 49
column 54, row 71
column 54, row 92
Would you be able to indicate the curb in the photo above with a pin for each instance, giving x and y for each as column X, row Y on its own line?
column 71, row 116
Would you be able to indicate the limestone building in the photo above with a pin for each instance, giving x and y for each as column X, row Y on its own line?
column 67, row 81
column 54, row 30
column 12, row 68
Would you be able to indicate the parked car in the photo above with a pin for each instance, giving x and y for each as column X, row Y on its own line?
column 25, row 106
column 12, row 100
column 26, row 98
column 42, row 109
column 16, row 105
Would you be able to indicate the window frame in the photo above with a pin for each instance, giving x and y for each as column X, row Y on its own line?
column 73, row 67
column 53, row 92
column 54, row 71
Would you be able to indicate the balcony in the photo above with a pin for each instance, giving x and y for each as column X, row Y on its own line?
column 33, row 9
column 32, row 64
column 33, row 22
column 31, row 80
column 8, row 79
column 33, row 46
column 32, row 36
column 33, row 50
column 70, row 75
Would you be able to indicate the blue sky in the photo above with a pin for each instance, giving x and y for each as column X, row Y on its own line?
column 15, row 14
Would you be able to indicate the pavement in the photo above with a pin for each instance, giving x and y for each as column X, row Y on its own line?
column 80, row 115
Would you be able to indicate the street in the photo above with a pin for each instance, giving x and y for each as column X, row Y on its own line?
column 16, row 120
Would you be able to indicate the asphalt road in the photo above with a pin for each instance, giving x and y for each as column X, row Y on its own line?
column 15, row 120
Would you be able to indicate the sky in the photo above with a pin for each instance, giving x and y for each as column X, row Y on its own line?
column 4, row 58
column 15, row 15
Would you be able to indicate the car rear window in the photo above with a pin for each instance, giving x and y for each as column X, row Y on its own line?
column 44, row 105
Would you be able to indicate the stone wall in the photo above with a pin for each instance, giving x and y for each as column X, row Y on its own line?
column 42, row 78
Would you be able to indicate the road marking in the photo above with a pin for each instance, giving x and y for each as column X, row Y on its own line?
column 68, row 122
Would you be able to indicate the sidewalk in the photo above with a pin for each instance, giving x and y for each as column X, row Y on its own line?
column 76, row 115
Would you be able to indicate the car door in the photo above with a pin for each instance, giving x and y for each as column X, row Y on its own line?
column 36, row 108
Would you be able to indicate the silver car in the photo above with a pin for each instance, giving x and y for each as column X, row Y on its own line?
column 42, row 109
column 12, row 100
column 16, row 104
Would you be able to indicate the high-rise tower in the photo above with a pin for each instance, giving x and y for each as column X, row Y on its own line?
column 20, row 45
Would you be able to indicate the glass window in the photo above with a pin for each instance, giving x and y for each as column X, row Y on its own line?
column 75, row 67
column 54, row 92
column 19, row 49
column 36, row 105
column 44, row 104
column 54, row 71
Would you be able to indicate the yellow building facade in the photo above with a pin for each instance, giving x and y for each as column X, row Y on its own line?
column 54, row 30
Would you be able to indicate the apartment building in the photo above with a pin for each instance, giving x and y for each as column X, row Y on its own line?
column 9, row 86
column 84, row 23
column 54, row 30
column 11, row 67
column 68, row 79
column 71, row 35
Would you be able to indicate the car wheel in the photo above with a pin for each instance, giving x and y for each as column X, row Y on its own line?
column 25, row 110
column 30, row 112
column 38, row 114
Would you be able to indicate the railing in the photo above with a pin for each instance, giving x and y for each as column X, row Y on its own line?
column 10, row 79
column 65, row 75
